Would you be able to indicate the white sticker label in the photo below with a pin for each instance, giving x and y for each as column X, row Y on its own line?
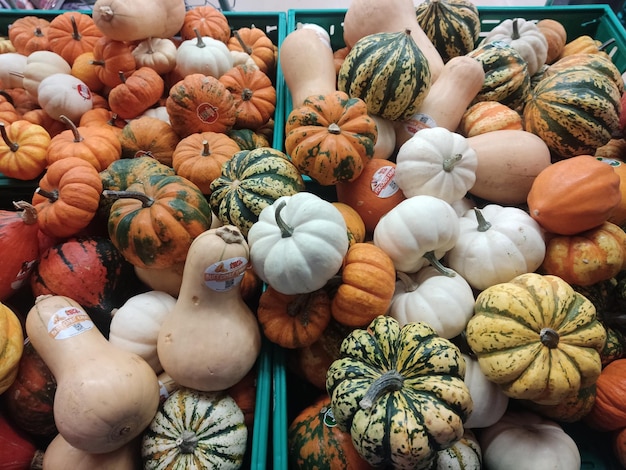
column 417, row 122
column 383, row 182
column 22, row 276
column 68, row 322
column 226, row 274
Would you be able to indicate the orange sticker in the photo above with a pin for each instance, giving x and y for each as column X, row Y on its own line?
column 68, row 322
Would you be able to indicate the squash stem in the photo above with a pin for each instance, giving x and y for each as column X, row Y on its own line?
column 450, row 162
column 13, row 146
column 247, row 94
column 515, row 32
column 75, row 31
column 53, row 196
column 230, row 234
column 206, row 151
column 122, row 76
column 432, row 259
column 549, row 338
column 247, row 49
column 390, row 381
column 29, row 213
column 70, row 124
column 407, row 281
column 200, row 43
column 286, row 230
column 187, row 442
column 146, row 201
column 483, row 225
column 334, row 129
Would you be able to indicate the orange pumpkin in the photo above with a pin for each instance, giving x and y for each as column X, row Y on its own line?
column 142, row 89
column 257, row 44
column 609, row 409
column 254, row 95
column 619, row 446
column 556, row 37
column 84, row 69
column 150, row 136
column 71, row 33
column 8, row 113
column 208, row 20
column 293, row 321
column 112, row 59
column 199, row 157
column 102, row 117
column 574, row 195
column 29, row 34
column 40, row 117
column 23, row 149
column 68, row 197
column 619, row 214
column 354, row 222
column 22, row 100
column 368, row 280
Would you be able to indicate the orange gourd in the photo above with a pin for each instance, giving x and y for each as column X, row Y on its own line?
column 149, row 136
column 257, row 44
column 111, row 59
column 136, row 93
column 609, row 409
column 619, row 214
column 487, row 116
column 556, row 37
column 11, row 346
column 71, row 33
column 354, row 222
column 84, row 70
column 208, row 20
column 29, row 34
column 23, row 148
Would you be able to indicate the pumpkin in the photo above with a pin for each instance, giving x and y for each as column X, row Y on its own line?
column 135, row 324
column 67, row 197
column 113, row 61
column 153, row 222
column 572, row 409
column 354, row 222
column 418, row 231
column 12, row 346
column 8, row 113
column 199, row 157
column 149, row 136
column 41, row 118
column 19, row 248
column 536, row 337
column 446, row 303
column 250, row 181
column 389, row 72
column 28, row 34
column 618, row 445
column 489, row 401
column 563, row 200
column 157, row 53
column 453, row 26
column 71, row 33
column 102, row 117
column 298, row 243
column 330, row 137
column 394, row 400
column 199, row 103
column 598, row 62
column 204, row 55
column 588, row 257
column 367, row 285
column 247, row 139
column 23, row 149
column 120, row 174
column 608, row 411
column 196, row 428
column 83, row 69
column 135, row 94
column 463, row 454
column 62, row 94
column 11, row 73
column 30, row 398
column 556, row 36
column 293, row 320
column 436, row 162
column 206, row 20
column 39, row 65
column 592, row 115
column 507, row 241
column 315, row 440
column 254, row 94
column 612, row 158
column 257, row 44
column 487, row 116
column 90, row 269
column 18, row 450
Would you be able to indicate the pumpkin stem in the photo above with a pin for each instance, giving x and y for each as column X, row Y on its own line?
column 53, row 196
column 247, row 49
column 122, row 76
column 334, row 129
column 106, row 13
column 286, row 230
column 13, row 146
column 515, row 33
column 549, row 337
column 407, row 281
column 432, row 259
column 146, row 201
column 200, row 43
column 187, row 442
column 299, row 305
column 29, row 213
column 96, row 62
column 206, row 151
column 38, row 32
column 390, row 381
column 70, row 124
column 450, row 162
column 75, row 32
column 246, row 94
column 230, row 234
column 483, row 225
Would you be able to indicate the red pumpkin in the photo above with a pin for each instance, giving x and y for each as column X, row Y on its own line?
column 17, row 451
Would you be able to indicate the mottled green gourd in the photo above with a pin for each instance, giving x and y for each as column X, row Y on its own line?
column 387, row 71
column 453, row 26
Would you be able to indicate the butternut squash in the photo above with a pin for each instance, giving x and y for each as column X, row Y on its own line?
column 386, row 141
column 60, row 455
column 211, row 339
column 135, row 20
column 365, row 17
column 448, row 98
column 105, row 396
column 308, row 66
column 508, row 162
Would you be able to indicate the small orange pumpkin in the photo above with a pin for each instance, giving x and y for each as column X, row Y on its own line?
column 208, row 20
column 8, row 113
column 609, row 409
column 609, row 154
column 142, row 89
column 29, row 34
column 354, row 222
column 83, row 69
column 257, row 44
column 150, row 136
column 23, row 149
column 556, row 37
column 111, row 60
column 619, row 446
column 71, row 33
column 102, row 117
column 40, row 117
column 486, row 116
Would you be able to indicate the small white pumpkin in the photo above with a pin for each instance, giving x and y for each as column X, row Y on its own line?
column 159, row 112
column 417, row 231
column 436, row 162
column 490, row 402
column 39, row 65
column 62, row 94
column 204, row 55
column 465, row 454
column 157, row 53
column 12, row 66
column 135, row 325
column 298, row 243
column 496, row 244
column 446, row 303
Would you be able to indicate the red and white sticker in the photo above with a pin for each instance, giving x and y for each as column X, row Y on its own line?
column 383, row 182
column 84, row 91
column 417, row 122
column 226, row 274
column 68, row 322
column 22, row 276
column 207, row 113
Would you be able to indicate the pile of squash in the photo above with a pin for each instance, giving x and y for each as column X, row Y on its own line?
column 438, row 244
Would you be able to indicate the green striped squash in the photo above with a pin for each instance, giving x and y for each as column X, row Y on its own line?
column 250, row 181
column 400, row 392
column 574, row 111
column 387, row 71
column 506, row 74
column 453, row 26
column 596, row 61
column 247, row 139
column 195, row 430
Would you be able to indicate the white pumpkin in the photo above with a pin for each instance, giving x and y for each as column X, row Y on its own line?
column 12, row 65
column 159, row 112
column 436, row 162
column 446, row 303
column 496, row 244
column 298, row 243
column 490, row 402
column 39, row 65
column 417, row 231
column 157, row 53
column 62, row 94
column 524, row 440
column 204, row 55
column 135, row 325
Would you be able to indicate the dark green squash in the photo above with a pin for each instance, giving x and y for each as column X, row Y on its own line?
column 247, row 139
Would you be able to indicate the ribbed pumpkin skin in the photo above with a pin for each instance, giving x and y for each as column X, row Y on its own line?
column 250, row 181
column 387, row 71
column 506, row 74
column 214, row 419
column 574, row 111
column 123, row 172
column 453, row 26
